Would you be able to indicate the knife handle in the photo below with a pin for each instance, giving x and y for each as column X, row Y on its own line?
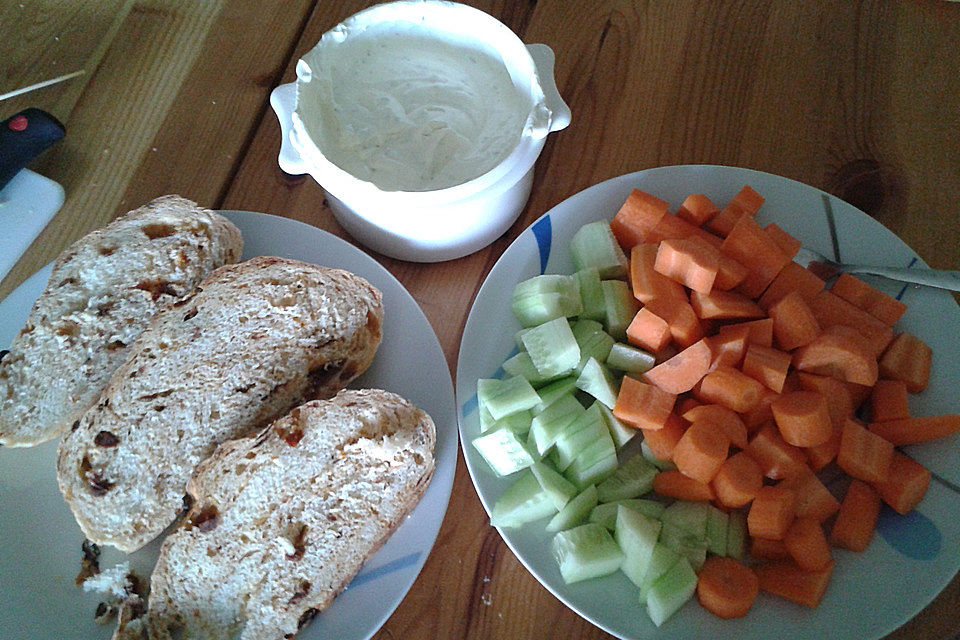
column 23, row 137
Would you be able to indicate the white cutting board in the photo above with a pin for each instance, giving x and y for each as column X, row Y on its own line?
column 27, row 204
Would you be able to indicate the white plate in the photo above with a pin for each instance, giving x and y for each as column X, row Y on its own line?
column 910, row 560
column 40, row 541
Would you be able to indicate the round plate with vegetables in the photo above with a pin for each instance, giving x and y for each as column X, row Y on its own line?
column 682, row 431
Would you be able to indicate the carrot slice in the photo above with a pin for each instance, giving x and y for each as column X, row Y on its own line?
column 765, row 549
column 857, row 518
column 673, row 484
column 767, row 366
column 749, row 245
column 881, row 306
column 803, row 418
column 836, row 392
column 787, row 580
column 730, row 388
column 889, row 400
column 792, row 277
column 643, row 405
column 758, row 331
column 722, row 418
column 728, row 348
column 746, row 203
column 730, row 273
column 672, row 227
column 771, row 512
column 916, row 430
column 814, row 500
column 689, row 261
column 787, row 243
column 738, row 481
column 663, row 441
column 637, row 217
column 685, row 327
column 724, row 305
column 863, row 454
column 645, row 282
column 762, row 413
column 838, row 354
column 907, row 359
column 830, row 309
column 701, row 451
column 681, row 372
column 727, row 588
column 698, row 210
column 807, row 544
column 649, row 331
column 906, row 485
column 776, row 457
column 794, row 324
column 821, row 455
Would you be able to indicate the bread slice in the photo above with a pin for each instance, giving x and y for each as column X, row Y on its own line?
column 102, row 293
column 256, row 339
column 282, row 521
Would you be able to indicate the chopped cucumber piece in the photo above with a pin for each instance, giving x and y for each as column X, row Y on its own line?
column 591, row 295
column 504, row 451
column 625, row 357
column 550, row 424
column 584, row 430
column 663, row 465
column 486, row 420
column 694, row 549
column 621, row 433
column 546, row 297
column 605, row 513
column 552, row 347
column 637, row 535
column 521, row 365
column 554, row 391
column 634, row 477
column 517, row 422
column 621, row 307
column 503, row 397
column 559, row 489
column 594, row 245
column 584, row 552
column 717, row 531
column 597, row 380
column 661, row 560
column 523, row 502
column 597, row 461
column 575, row 511
column 689, row 516
column 737, row 535
column 671, row 591
column 593, row 341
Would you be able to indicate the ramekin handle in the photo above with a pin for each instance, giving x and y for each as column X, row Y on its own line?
column 283, row 99
column 543, row 59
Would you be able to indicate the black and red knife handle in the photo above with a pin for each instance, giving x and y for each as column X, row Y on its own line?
column 23, row 137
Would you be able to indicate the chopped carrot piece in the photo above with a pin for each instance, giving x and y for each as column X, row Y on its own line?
column 686, row 403
column 787, row 580
column 814, row 500
column 830, row 309
column 698, row 210
column 758, row 331
column 803, row 418
column 746, row 203
column 889, row 400
column 836, row 353
column 685, row 327
column 724, row 305
column 731, row 388
column 673, row 484
column 689, row 261
column 663, row 441
column 730, row 273
column 807, row 544
column 643, row 405
column 649, row 331
column 728, row 348
column 907, row 359
column 906, row 485
column 647, row 284
column 767, row 366
column 863, row 454
column 727, row 588
column 701, row 451
column 881, row 306
column 792, row 277
column 821, row 455
column 771, row 512
column 722, row 418
column 681, row 372
column 672, row 227
column 916, row 430
column 762, row 413
column 857, row 518
column 766, row 549
column 858, row 393
column 738, row 481
column 637, row 217
column 776, row 457
column 787, row 243
column 749, row 245
column 794, row 324
column 836, row 392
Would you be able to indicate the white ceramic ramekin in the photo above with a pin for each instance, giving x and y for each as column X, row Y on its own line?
column 431, row 226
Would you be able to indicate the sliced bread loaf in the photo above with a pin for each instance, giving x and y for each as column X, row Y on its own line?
column 282, row 521
column 255, row 339
column 102, row 293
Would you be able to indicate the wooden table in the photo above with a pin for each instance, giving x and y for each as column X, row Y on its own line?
column 861, row 99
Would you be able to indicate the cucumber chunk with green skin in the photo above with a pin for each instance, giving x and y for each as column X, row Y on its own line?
column 594, row 245
column 605, row 513
column 689, row 516
column 593, row 341
column 504, row 451
column 552, row 422
column 523, row 502
column 661, row 560
column 621, row 307
column 559, row 489
column 575, row 512
column 503, row 397
column 546, row 297
column 671, row 591
column 585, row 552
column 717, row 526
column 517, row 422
column 596, row 380
column 663, row 465
column 591, row 295
column 633, row 478
column 737, row 535
column 691, row 547
column 585, row 429
column 554, row 391
column 624, row 357
column 621, row 433
column 521, row 364
column 637, row 535
column 595, row 463
column 552, row 347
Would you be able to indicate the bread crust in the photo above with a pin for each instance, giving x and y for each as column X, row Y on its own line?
column 254, row 340
column 102, row 293
column 282, row 521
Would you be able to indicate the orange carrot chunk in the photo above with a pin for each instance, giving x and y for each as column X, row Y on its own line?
column 643, row 405
column 767, row 366
column 814, row 500
column 765, row 549
column 730, row 273
column 649, row 331
column 792, row 277
column 803, row 418
column 889, row 400
column 746, row 203
column 836, row 392
column 749, row 245
column 787, row 580
column 758, row 331
column 685, row 327
column 762, row 413
column 738, row 481
column 681, row 372
column 698, row 210
column 776, row 457
column 722, row 418
column 673, row 484
column 637, row 217
column 907, row 359
column 771, row 512
column 727, row 588
column 724, row 305
column 881, row 306
column 830, row 309
column 728, row 348
column 672, row 227
column 794, row 324
column 787, row 243
column 906, row 484
column 647, row 284
column 730, row 388
column 689, row 261
column 863, row 454
column 916, row 430
column 701, row 451
column 838, row 354
column 663, row 441
column 857, row 518
column 821, row 455
column 807, row 544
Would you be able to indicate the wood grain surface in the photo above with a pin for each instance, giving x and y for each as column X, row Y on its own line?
column 859, row 98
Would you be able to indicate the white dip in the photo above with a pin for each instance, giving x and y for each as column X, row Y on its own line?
column 409, row 112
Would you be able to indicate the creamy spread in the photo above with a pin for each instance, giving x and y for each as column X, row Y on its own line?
column 407, row 111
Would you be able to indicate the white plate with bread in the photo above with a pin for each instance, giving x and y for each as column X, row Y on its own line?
column 41, row 554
